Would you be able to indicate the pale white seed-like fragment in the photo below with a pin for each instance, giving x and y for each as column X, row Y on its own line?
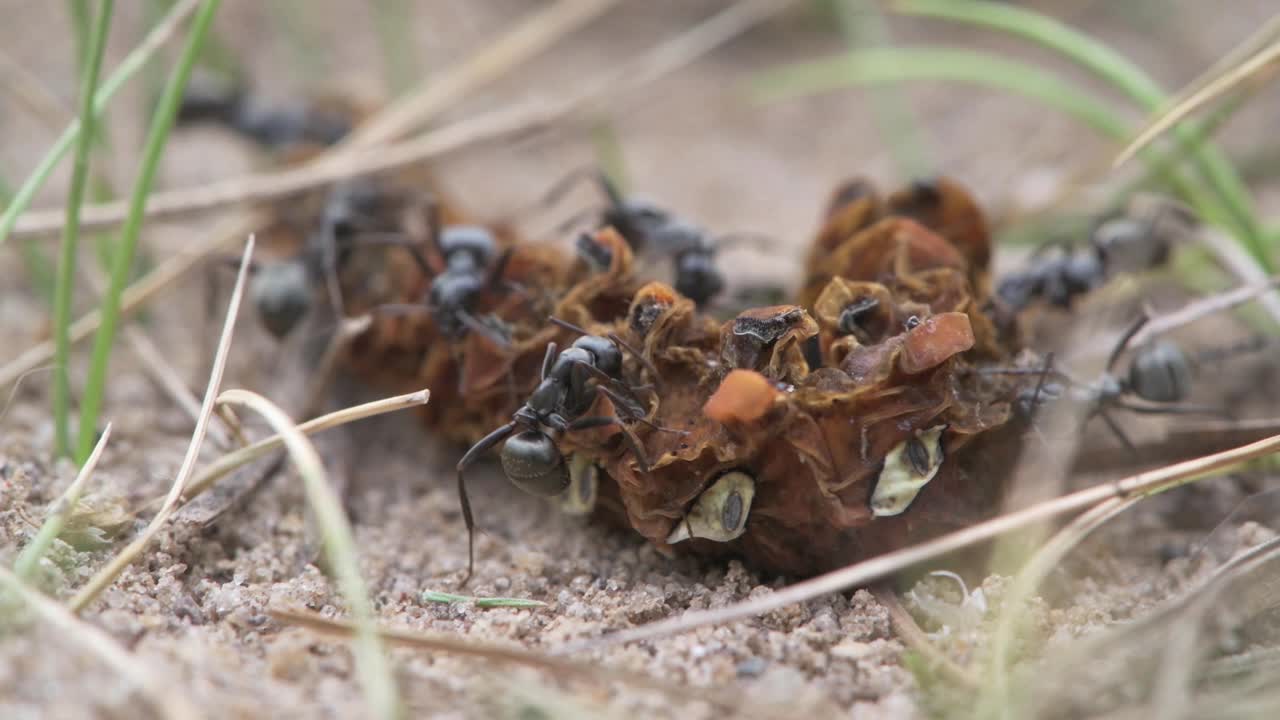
column 584, row 486
column 908, row 467
column 720, row 512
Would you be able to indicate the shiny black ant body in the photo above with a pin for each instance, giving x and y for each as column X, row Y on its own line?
column 569, row 384
column 648, row 228
column 1119, row 244
column 272, row 127
column 472, row 265
column 282, row 291
column 1157, row 381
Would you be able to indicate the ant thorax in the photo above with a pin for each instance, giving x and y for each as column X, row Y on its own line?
column 637, row 220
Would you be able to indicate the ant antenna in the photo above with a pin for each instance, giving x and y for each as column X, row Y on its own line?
column 613, row 337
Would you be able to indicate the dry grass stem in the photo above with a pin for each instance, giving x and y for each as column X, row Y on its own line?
column 335, row 165
column 372, row 664
column 517, row 46
column 104, row 577
column 917, row 639
column 159, row 368
column 135, row 296
column 232, row 461
column 868, row 571
column 1202, row 308
column 491, row 652
column 1263, row 62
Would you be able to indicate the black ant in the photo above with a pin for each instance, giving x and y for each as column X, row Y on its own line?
column 649, row 228
column 273, row 128
column 472, row 265
column 282, row 291
column 569, row 384
column 1119, row 244
column 1158, row 381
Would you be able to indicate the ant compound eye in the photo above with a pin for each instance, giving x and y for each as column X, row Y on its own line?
column 720, row 512
column 584, row 486
column 908, row 467
column 534, row 464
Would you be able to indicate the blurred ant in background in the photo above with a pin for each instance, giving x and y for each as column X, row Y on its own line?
column 473, row 265
column 1116, row 245
column 273, row 127
column 1158, row 380
column 354, row 214
column 648, row 228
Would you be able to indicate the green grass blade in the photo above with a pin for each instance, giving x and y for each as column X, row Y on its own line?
column 62, row 508
column 64, row 291
column 864, row 27
column 161, row 124
column 35, row 257
column 433, row 596
column 893, row 65
column 393, row 21
column 1124, row 75
column 608, row 151
column 126, row 70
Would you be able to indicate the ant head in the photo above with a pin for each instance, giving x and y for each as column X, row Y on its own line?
column 476, row 241
column 282, row 293
column 534, row 464
column 1160, row 372
column 697, row 277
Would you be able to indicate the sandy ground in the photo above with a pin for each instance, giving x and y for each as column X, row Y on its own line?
column 194, row 610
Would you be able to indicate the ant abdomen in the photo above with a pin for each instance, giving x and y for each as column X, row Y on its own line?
column 534, row 464
column 1160, row 373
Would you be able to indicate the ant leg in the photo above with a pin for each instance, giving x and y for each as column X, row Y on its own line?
column 476, row 326
column 499, row 268
column 431, row 215
column 586, row 423
column 576, row 219
column 1044, row 375
column 487, row 442
column 586, row 173
column 1115, row 428
column 636, row 413
column 400, row 241
column 329, row 265
column 548, row 360
column 644, row 361
column 400, row 309
column 1125, row 338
